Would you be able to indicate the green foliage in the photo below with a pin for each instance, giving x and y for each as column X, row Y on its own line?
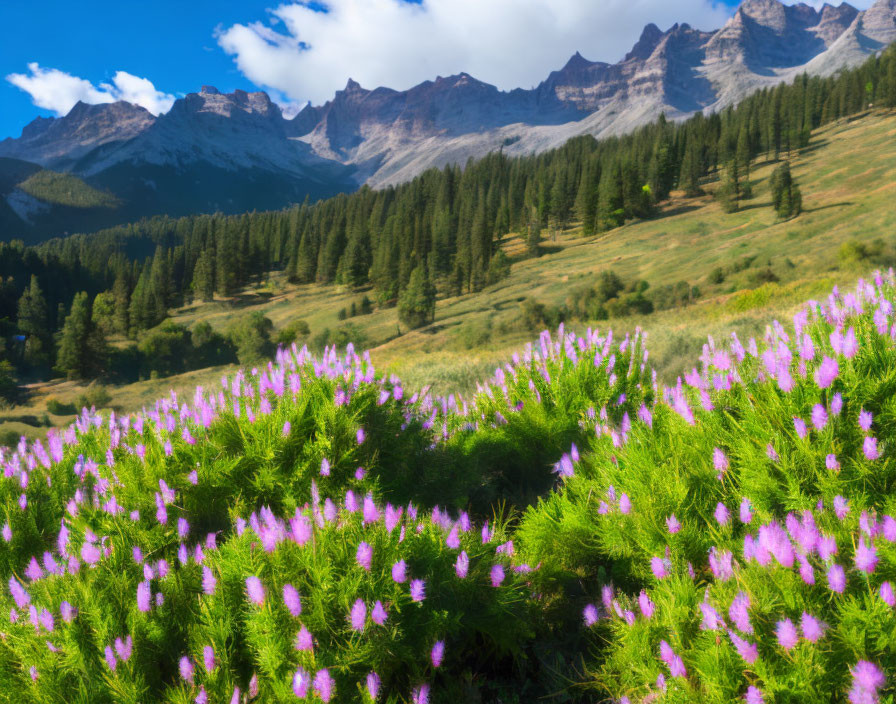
column 68, row 190
column 59, row 408
column 251, row 336
column 83, row 352
column 417, row 303
column 294, row 332
column 790, row 449
column 786, row 197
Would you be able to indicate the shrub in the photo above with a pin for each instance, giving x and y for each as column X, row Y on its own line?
column 746, row 521
column 58, row 408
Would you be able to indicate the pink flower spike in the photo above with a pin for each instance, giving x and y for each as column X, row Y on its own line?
column 721, row 514
column 813, row 629
column 836, row 578
column 870, row 449
column 255, row 590
column 673, row 524
column 887, row 595
column 437, row 654
column 590, row 615
column 786, row 634
column 866, row 558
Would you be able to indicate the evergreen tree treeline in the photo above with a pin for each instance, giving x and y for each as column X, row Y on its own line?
column 445, row 225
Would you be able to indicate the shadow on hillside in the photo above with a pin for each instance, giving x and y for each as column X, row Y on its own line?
column 828, row 206
column 814, row 147
column 678, row 210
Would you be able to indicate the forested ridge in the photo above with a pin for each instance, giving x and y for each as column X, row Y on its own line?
column 447, row 225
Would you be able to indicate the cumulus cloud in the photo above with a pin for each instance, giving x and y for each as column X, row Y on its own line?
column 58, row 91
column 306, row 54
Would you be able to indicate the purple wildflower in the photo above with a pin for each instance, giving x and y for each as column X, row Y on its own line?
column 813, row 629
column 826, row 372
column 292, row 600
column 208, row 658
column 659, row 567
column 301, row 681
column 324, row 685
column 865, row 419
column 886, row 593
column 590, row 615
column 462, row 565
column 870, row 449
column 420, row 695
column 378, row 614
column 646, row 605
column 438, row 653
column 399, row 572
column 754, row 695
column 867, row 678
column 358, row 616
column 418, row 590
column 739, row 612
column 143, row 596
column 208, row 581
column 186, row 669
column 719, row 461
column 255, row 590
column 304, row 641
column 836, row 404
column 747, row 650
column 497, row 575
column 364, row 556
column 673, row 524
column 819, row 416
column 866, row 557
column 841, row 507
column 721, row 514
column 746, row 511
column 786, row 634
column 373, row 685
column 836, row 578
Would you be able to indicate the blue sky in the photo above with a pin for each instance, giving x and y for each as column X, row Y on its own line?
column 180, row 45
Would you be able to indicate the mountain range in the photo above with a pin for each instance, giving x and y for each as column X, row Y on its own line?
column 236, row 152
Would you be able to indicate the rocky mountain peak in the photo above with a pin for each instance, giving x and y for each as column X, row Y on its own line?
column 649, row 40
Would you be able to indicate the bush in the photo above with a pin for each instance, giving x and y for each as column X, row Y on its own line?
column 296, row 331
column 536, row 316
column 58, row 408
column 96, row 396
column 742, row 531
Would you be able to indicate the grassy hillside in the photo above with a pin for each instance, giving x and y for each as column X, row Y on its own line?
column 848, row 179
column 311, row 529
column 64, row 189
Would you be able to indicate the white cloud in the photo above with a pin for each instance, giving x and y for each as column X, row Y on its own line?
column 58, row 91
column 510, row 43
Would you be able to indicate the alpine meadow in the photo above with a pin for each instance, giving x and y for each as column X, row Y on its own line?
column 449, row 392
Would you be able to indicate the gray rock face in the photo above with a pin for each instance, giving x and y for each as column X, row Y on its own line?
column 59, row 142
column 386, row 136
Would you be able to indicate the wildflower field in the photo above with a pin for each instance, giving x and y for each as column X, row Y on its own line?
column 313, row 531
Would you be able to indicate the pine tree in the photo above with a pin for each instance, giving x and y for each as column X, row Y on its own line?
column 82, row 347
column 691, row 169
column 586, row 199
column 743, row 159
column 417, row 303
column 34, row 323
column 204, row 277
column 728, row 193
column 610, row 203
column 786, row 197
column 121, row 294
